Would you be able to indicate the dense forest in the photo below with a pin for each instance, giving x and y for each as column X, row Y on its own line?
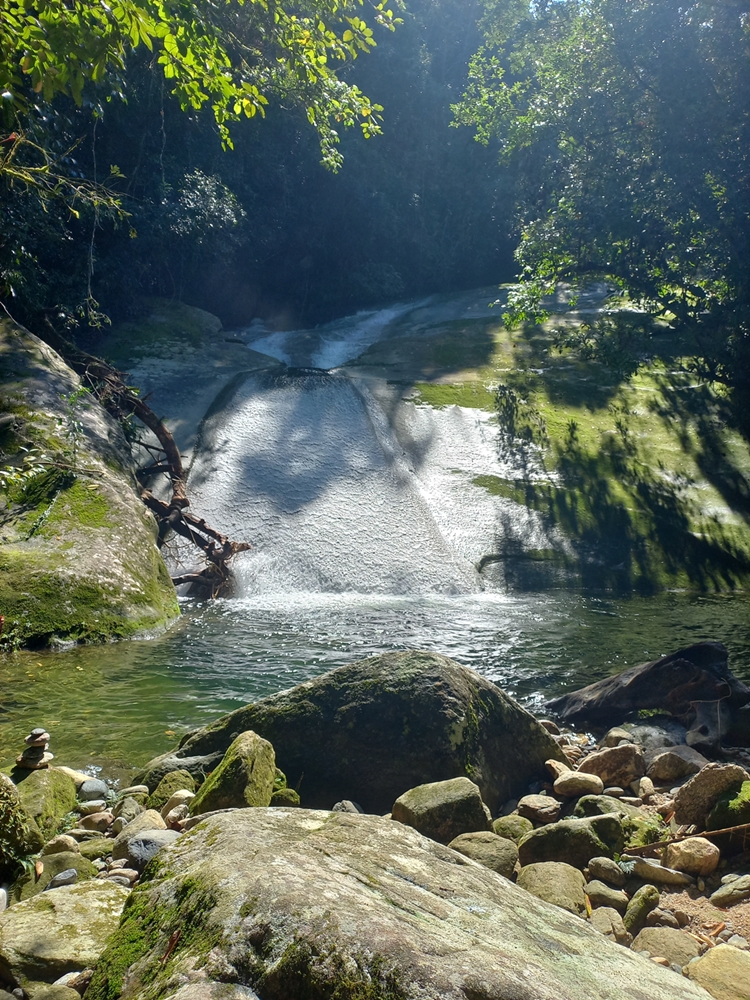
column 199, row 154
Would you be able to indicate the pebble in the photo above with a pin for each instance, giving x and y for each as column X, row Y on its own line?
column 68, row 877
column 129, row 873
column 737, row 941
column 95, row 806
column 93, row 788
column 37, row 737
column 539, row 808
column 607, row 870
column 119, row 880
column 132, row 790
column 573, row 784
column 614, row 792
column 99, row 821
column 62, row 842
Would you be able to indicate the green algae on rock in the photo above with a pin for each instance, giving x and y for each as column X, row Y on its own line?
column 306, row 904
column 245, row 777
column 78, row 555
column 19, row 834
column 47, row 794
column 173, row 782
column 370, row 730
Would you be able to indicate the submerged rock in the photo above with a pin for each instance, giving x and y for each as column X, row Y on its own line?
column 331, row 904
column 373, row 729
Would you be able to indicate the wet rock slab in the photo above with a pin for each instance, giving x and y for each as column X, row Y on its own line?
column 300, row 903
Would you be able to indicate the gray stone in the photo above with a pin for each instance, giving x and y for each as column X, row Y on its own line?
column 724, row 972
column 92, row 789
column 668, row 766
column 603, row 895
column 652, row 871
column 330, row 904
column 370, row 730
column 127, row 809
column 146, row 845
column 653, row 737
column 148, row 820
column 677, row 947
column 57, row 932
column 736, row 891
column 347, row 806
column 608, row 921
column 607, row 870
column 695, row 799
column 539, row 808
column 442, row 810
column 488, row 849
column 573, row 841
column 615, row 736
column 616, row 765
column 67, row 877
column 573, row 784
column 556, row 883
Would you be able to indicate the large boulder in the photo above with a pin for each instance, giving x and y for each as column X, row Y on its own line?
column 245, row 777
column 91, row 570
column 48, row 795
column 724, row 971
column 371, row 730
column 442, row 809
column 691, row 683
column 64, row 930
column 29, row 884
column 697, row 797
column 298, row 904
column 19, row 834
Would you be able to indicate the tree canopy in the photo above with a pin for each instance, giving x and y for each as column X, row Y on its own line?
column 232, row 55
column 631, row 125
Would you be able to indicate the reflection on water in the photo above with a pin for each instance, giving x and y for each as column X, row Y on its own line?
column 118, row 705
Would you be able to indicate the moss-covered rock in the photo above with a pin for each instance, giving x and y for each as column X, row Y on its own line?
column 245, row 777
column 312, row 905
column 173, row 782
column 58, row 932
column 19, row 834
column 512, row 827
column 496, row 853
column 442, row 810
column 372, row 729
column 29, row 885
column 642, row 902
column 78, row 559
column 47, row 795
column 97, row 847
column 732, row 808
column 573, row 841
column 285, row 797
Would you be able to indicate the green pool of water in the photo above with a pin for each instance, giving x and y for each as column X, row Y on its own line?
column 113, row 707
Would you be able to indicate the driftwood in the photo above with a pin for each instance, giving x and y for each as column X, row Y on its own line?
column 648, row 848
column 109, row 386
column 694, row 684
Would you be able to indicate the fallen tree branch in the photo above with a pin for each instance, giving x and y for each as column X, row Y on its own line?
column 109, row 386
column 640, row 851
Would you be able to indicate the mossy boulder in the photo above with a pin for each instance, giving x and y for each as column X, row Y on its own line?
column 97, row 847
column 245, row 777
column 173, row 782
column 19, row 834
column 642, row 902
column 47, row 795
column 512, row 827
column 304, row 904
column 557, row 883
column 29, row 885
column 53, row 933
column 573, row 841
column 79, row 560
column 372, row 729
column 442, row 810
column 486, row 848
column 732, row 809
column 286, row 798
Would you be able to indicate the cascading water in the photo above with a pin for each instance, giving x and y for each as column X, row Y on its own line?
column 343, row 486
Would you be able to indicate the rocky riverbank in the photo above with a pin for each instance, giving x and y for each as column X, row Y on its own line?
column 398, row 828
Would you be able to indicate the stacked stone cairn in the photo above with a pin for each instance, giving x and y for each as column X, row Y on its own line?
column 36, row 754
